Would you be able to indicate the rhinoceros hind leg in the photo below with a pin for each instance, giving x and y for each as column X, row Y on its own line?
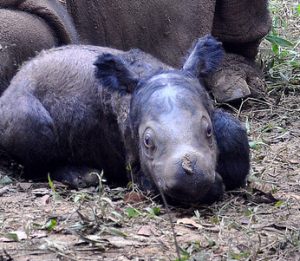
column 76, row 176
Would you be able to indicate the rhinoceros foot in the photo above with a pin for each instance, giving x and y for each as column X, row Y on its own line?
column 237, row 78
column 76, row 176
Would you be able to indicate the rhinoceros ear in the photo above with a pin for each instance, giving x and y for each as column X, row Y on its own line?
column 205, row 57
column 113, row 73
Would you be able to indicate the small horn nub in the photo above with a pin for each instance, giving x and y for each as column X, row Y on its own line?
column 187, row 165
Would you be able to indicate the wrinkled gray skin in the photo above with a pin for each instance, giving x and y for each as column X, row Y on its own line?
column 27, row 27
column 128, row 110
column 167, row 28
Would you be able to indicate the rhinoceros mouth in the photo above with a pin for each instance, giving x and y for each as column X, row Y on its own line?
column 187, row 197
column 192, row 192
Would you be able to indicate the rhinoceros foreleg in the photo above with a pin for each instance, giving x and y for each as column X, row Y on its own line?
column 240, row 25
column 233, row 160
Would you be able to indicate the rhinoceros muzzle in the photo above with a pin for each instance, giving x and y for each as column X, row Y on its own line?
column 189, row 178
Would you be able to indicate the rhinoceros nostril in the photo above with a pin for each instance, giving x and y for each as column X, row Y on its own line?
column 187, row 164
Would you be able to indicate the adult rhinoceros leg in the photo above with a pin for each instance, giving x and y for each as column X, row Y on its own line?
column 27, row 27
column 240, row 25
column 237, row 77
column 55, row 15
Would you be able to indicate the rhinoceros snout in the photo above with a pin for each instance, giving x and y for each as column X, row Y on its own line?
column 188, row 178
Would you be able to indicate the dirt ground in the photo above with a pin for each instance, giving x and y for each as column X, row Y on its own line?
column 41, row 221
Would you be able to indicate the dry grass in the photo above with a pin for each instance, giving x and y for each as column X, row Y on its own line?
column 260, row 222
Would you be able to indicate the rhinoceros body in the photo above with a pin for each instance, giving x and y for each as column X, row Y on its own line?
column 87, row 107
column 166, row 29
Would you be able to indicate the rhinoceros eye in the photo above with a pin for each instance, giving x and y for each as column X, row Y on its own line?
column 148, row 141
column 209, row 131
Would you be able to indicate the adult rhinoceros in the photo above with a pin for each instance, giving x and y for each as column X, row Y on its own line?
column 166, row 28
column 27, row 27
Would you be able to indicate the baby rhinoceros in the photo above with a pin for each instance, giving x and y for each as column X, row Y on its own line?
column 77, row 108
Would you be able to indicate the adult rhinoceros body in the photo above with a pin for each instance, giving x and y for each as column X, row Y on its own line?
column 27, row 27
column 166, row 29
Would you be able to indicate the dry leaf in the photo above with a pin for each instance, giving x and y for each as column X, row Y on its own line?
column 133, row 197
column 189, row 223
column 263, row 193
column 147, row 231
column 294, row 161
column 39, row 235
column 262, row 187
column 40, row 192
column 121, row 242
column 24, row 186
column 4, row 190
column 45, row 200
